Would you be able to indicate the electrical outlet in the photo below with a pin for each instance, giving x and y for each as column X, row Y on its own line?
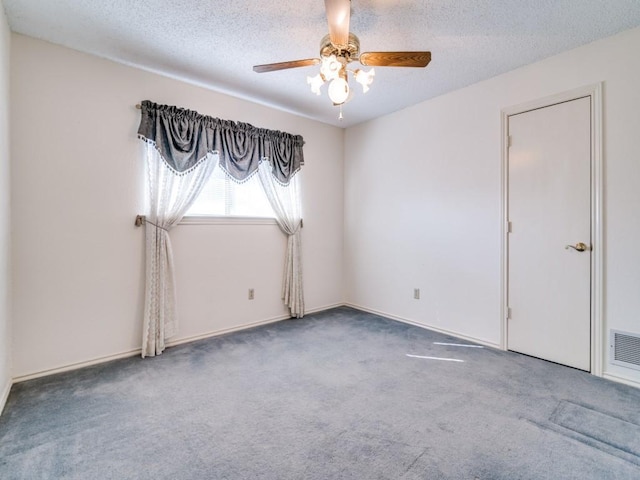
column 416, row 293
column 251, row 294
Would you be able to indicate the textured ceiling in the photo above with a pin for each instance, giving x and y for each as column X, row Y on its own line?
column 215, row 43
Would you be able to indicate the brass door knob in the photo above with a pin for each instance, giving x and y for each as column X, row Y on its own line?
column 578, row 247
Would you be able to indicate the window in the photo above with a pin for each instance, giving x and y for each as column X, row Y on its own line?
column 224, row 197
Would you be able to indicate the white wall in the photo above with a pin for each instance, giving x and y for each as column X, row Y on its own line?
column 5, row 276
column 422, row 202
column 77, row 184
column 421, row 206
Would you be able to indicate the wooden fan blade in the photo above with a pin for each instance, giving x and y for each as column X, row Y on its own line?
column 338, row 13
column 272, row 67
column 395, row 59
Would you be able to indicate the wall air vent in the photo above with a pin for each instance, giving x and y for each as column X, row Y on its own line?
column 625, row 349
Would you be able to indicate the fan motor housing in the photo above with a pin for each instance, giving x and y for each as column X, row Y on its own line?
column 350, row 52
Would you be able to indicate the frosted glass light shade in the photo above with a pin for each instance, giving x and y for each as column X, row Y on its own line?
column 330, row 67
column 315, row 82
column 365, row 78
column 338, row 90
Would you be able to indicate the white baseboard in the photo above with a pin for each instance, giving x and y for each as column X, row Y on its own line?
column 75, row 366
column 4, row 396
column 171, row 343
column 425, row 326
column 244, row 326
column 621, row 379
column 326, row 307
column 216, row 333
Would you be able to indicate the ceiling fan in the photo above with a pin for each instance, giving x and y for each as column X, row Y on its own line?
column 341, row 47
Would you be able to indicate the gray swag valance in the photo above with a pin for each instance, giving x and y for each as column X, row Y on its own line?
column 184, row 138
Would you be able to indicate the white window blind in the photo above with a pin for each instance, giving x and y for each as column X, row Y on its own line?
column 223, row 197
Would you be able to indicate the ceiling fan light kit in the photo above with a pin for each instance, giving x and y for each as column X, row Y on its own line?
column 337, row 50
column 334, row 70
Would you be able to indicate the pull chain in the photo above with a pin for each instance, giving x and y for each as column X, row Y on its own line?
column 340, row 116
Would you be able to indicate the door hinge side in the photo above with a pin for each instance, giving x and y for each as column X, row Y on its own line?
column 508, row 313
column 509, row 227
column 509, row 140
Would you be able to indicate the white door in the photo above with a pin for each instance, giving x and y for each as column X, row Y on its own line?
column 549, row 210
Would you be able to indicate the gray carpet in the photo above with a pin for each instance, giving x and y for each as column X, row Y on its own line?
column 330, row 396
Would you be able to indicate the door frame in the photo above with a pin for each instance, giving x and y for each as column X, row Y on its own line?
column 595, row 92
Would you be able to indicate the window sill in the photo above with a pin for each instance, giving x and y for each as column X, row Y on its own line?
column 204, row 220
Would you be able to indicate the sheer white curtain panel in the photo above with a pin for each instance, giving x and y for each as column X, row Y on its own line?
column 286, row 204
column 170, row 195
